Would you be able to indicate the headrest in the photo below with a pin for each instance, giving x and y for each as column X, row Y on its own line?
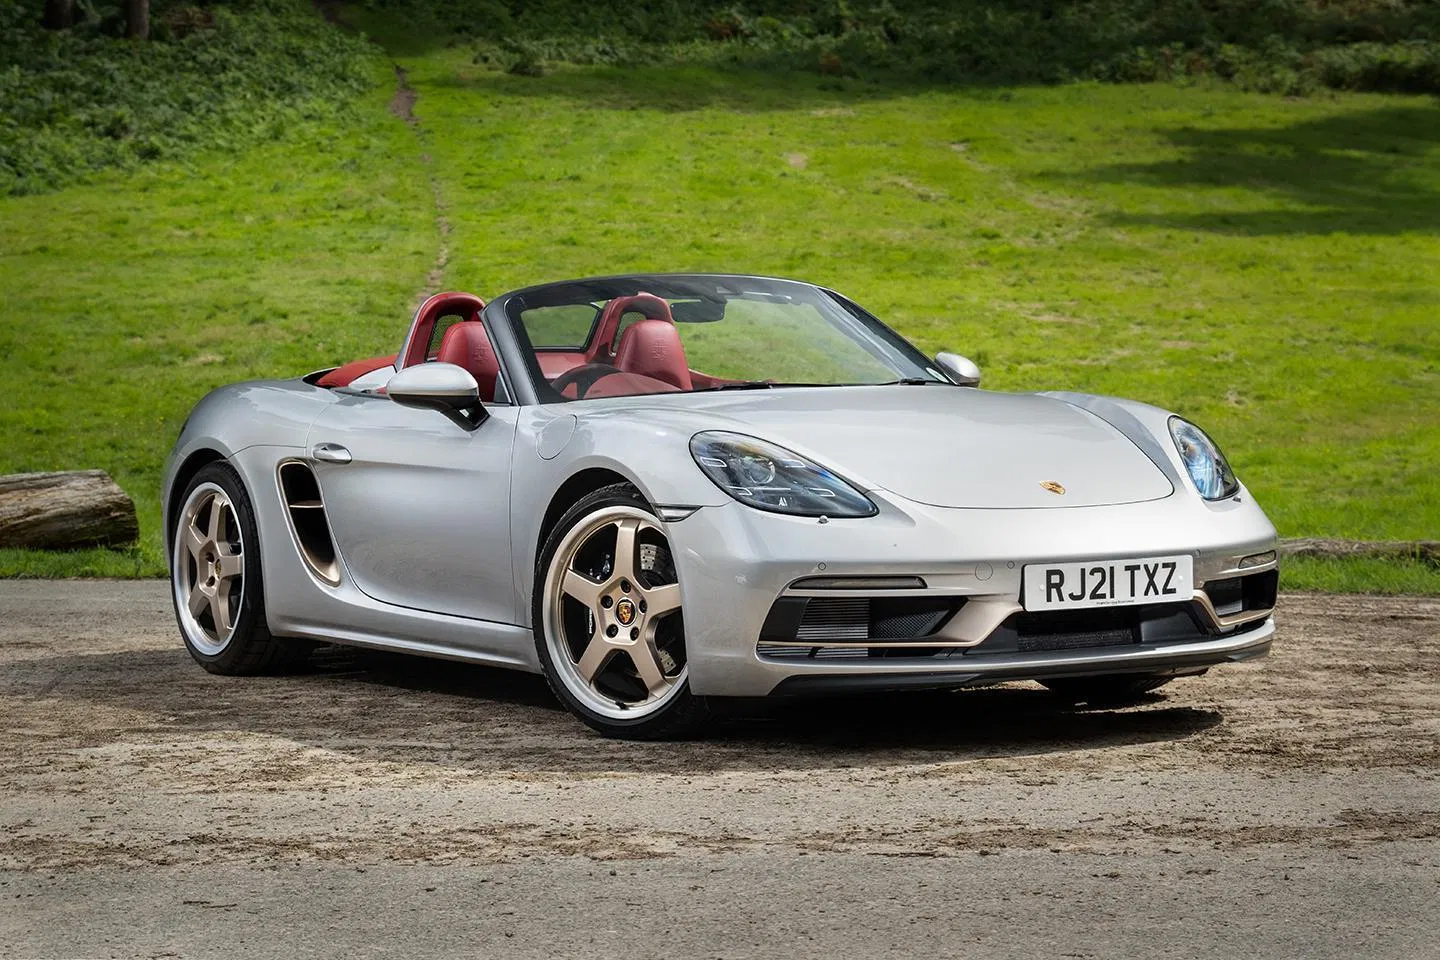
column 652, row 348
column 645, row 304
column 467, row 345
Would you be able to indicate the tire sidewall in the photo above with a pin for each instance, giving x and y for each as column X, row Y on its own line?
column 250, row 625
column 676, row 712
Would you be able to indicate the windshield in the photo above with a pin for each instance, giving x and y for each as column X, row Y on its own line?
column 669, row 334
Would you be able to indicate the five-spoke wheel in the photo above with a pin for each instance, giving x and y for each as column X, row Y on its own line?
column 215, row 578
column 210, row 567
column 610, row 631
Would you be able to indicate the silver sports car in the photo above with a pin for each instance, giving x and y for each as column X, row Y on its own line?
column 664, row 490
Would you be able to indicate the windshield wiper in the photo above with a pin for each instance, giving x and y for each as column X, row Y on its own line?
column 915, row 382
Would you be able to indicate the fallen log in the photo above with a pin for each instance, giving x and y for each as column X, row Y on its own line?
column 61, row 511
column 1426, row 550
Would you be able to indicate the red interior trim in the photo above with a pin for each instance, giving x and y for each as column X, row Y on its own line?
column 646, row 304
column 467, row 305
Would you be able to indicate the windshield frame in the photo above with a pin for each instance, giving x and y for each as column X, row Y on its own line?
column 890, row 347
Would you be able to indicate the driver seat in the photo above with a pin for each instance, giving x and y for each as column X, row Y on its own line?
column 652, row 348
column 467, row 345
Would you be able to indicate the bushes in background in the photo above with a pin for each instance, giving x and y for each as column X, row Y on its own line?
column 227, row 73
column 80, row 100
column 1277, row 45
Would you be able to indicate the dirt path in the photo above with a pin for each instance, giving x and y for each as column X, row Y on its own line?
column 1290, row 807
column 402, row 105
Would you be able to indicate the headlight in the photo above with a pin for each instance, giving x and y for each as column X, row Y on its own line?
column 772, row 478
column 1207, row 466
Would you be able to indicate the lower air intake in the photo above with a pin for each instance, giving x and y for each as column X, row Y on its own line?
column 835, row 620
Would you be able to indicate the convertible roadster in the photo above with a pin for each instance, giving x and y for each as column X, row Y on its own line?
column 660, row 491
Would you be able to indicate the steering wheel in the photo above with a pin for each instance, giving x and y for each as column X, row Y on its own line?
column 583, row 377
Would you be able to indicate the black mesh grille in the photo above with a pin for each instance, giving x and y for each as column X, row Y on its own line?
column 1073, row 630
column 839, row 619
column 907, row 618
column 857, row 619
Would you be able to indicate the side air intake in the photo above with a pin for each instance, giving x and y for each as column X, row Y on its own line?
column 307, row 520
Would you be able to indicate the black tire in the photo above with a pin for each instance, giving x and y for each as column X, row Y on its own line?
column 684, row 714
column 251, row 648
column 1113, row 690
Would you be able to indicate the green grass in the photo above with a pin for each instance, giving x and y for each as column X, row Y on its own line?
column 125, row 301
column 1265, row 266
column 1359, row 576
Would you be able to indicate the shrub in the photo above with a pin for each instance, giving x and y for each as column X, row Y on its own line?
column 76, row 101
column 1285, row 46
column 1412, row 67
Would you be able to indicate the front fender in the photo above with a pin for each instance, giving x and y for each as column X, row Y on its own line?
column 1148, row 427
column 232, row 418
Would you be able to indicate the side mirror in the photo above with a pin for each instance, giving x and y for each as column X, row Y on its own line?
column 960, row 369
column 445, row 387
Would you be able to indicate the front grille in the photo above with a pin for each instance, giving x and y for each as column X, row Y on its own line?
column 1074, row 641
column 857, row 619
column 785, row 651
column 1153, row 624
column 1074, row 630
column 835, row 620
column 906, row 619
column 1091, row 629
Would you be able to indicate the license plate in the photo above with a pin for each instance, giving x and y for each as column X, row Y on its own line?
column 1108, row 583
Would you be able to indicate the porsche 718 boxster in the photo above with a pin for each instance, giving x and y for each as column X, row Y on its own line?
column 661, row 491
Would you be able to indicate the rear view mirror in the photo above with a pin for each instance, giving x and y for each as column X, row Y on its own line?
column 961, row 370
column 697, row 311
column 445, row 387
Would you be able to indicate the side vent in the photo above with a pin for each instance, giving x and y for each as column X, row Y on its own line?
column 307, row 520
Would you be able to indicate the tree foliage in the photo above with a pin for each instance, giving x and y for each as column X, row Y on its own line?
column 1279, row 45
column 80, row 100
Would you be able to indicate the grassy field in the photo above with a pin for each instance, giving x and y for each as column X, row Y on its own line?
column 125, row 301
column 1269, row 267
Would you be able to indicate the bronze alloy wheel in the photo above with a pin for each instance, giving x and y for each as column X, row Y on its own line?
column 215, row 579
column 209, row 574
column 612, row 627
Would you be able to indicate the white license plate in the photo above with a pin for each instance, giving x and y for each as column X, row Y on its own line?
column 1108, row 583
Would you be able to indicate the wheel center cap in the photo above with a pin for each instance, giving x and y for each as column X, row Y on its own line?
column 625, row 612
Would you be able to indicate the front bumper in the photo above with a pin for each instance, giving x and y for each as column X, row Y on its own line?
column 735, row 562
column 1176, row 659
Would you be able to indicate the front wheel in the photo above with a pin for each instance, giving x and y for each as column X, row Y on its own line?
column 215, row 579
column 609, row 629
column 1112, row 690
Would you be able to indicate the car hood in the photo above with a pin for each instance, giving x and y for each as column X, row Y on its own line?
column 944, row 446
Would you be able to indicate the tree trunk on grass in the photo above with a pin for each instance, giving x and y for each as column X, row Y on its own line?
column 57, row 511
column 59, row 14
column 137, row 19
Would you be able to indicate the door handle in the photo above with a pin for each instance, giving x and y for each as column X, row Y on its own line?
column 330, row 453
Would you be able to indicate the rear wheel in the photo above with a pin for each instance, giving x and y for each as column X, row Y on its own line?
column 609, row 629
column 215, row 579
column 1110, row 690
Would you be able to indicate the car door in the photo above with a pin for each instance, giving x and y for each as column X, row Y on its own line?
column 420, row 506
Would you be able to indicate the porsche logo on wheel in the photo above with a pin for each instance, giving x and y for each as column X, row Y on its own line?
column 625, row 612
column 1056, row 488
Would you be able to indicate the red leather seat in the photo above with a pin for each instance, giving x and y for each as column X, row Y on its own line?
column 646, row 304
column 652, row 348
column 467, row 345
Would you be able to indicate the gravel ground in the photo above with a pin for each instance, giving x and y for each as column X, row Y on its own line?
column 383, row 806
